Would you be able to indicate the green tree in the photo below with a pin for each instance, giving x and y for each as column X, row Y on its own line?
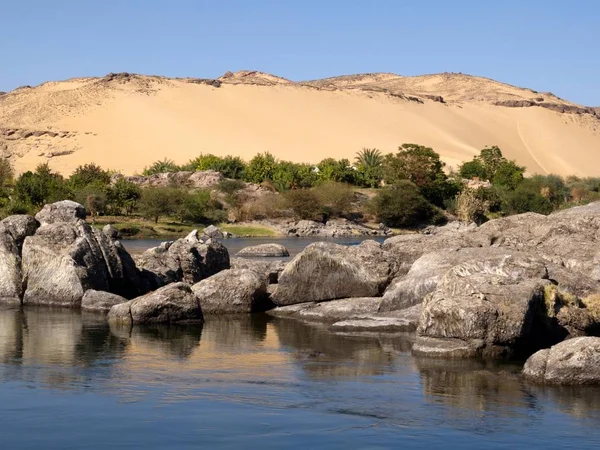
column 423, row 167
column 123, row 196
column 508, row 174
column 473, row 169
column 164, row 166
column 369, row 163
column 341, row 171
column 289, row 175
column 230, row 166
column 41, row 186
column 89, row 174
column 402, row 205
column 157, row 202
column 261, row 168
column 525, row 199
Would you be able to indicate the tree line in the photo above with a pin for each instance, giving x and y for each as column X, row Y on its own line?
column 407, row 188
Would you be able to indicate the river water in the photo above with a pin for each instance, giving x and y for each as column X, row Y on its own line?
column 69, row 381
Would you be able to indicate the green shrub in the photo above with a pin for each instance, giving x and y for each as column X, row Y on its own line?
column 164, row 166
column 230, row 166
column 261, row 168
column 304, row 203
column 89, row 174
column 525, row 199
column 160, row 201
column 336, row 198
column 402, row 205
column 41, row 187
column 123, row 196
column 6, row 172
column 341, row 171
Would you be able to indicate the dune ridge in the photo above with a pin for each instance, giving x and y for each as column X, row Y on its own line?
column 126, row 121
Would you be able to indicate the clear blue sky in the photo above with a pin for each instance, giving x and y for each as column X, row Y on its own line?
column 545, row 45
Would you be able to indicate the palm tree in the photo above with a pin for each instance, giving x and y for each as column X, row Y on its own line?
column 369, row 158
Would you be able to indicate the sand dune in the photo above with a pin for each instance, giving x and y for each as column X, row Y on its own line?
column 125, row 122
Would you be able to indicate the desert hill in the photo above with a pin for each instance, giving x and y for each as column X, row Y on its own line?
column 127, row 121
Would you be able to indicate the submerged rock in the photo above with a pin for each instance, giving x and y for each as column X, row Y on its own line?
column 265, row 250
column 572, row 362
column 175, row 303
column 327, row 271
column 232, row 291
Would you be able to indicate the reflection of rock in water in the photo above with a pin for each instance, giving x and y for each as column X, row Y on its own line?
column 324, row 354
column 578, row 401
column 169, row 340
column 235, row 332
column 60, row 340
column 474, row 385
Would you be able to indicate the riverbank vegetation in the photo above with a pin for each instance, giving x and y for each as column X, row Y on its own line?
column 405, row 189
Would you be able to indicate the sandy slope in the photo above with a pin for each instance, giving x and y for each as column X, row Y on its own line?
column 125, row 123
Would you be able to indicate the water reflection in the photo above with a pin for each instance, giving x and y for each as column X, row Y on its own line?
column 275, row 363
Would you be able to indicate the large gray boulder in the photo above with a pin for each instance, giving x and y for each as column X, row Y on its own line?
column 265, row 250
column 174, row 303
column 490, row 307
column 188, row 259
column 233, row 291
column 65, row 257
column 572, row 362
column 271, row 270
column 13, row 231
column 424, row 275
column 327, row 271
column 60, row 262
column 100, row 301
column 64, row 211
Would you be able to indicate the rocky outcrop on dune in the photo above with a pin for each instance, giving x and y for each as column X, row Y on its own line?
column 252, row 77
column 17, row 142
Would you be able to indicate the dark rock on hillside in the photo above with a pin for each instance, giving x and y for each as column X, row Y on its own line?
column 175, row 303
column 572, row 362
column 327, row 271
column 233, row 291
column 270, row 250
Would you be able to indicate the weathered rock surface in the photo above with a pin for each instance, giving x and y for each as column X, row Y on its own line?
column 327, row 271
column 265, row 250
column 572, row 362
column 212, row 232
column 492, row 305
column 398, row 321
column 424, row 276
column 64, row 211
column 331, row 311
column 269, row 269
column 233, row 291
column 175, row 303
column 333, row 228
column 188, row 259
column 100, row 301
column 13, row 231
column 65, row 257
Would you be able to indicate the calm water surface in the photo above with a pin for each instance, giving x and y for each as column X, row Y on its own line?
column 69, row 381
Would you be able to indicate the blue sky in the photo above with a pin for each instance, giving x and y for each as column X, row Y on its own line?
column 545, row 45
